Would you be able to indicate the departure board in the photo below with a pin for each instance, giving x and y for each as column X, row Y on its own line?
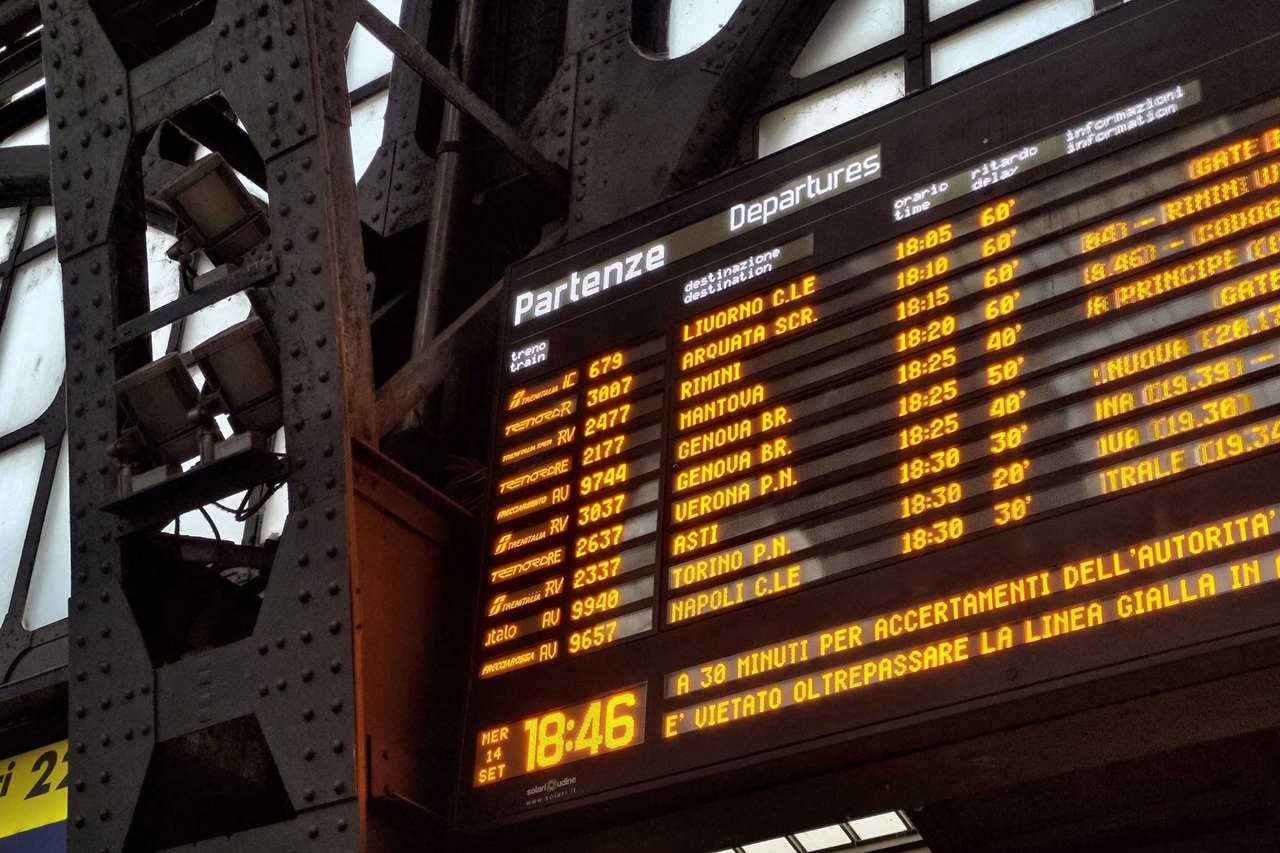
column 832, row 454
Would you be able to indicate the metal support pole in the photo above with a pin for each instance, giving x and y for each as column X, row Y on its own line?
column 442, row 225
column 456, row 92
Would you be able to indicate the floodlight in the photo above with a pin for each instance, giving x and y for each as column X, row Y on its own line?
column 160, row 397
column 219, row 214
column 241, row 367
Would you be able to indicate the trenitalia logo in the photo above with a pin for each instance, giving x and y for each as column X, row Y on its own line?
column 626, row 269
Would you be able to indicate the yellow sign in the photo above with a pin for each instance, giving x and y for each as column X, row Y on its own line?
column 33, row 789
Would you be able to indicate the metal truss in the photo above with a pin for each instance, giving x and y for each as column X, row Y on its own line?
column 279, row 64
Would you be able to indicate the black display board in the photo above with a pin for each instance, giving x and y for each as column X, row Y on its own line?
column 831, row 444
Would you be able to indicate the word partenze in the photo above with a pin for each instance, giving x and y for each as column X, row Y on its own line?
column 581, row 285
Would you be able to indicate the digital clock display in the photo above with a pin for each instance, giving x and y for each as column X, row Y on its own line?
column 869, row 468
column 548, row 740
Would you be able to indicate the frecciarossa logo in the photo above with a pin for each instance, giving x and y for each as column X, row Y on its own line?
column 805, row 191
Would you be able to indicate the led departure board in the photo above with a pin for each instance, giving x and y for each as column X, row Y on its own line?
column 829, row 466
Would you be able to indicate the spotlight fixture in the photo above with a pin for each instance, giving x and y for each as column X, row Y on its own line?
column 215, row 210
column 162, row 402
column 159, row 398
column 241, row 367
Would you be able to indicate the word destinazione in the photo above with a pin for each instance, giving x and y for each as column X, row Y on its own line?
column 798, row 194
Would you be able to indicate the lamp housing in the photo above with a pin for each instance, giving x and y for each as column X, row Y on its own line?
column 160, row 397
column 241, row 365
column 220, row 215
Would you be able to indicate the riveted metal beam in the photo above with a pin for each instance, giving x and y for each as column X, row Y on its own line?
column 456, row 92
column 475, row 329
column 135, row 705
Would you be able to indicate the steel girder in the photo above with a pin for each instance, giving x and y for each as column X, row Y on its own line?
column 629, row 128
column 280, row 64
column 634, row 129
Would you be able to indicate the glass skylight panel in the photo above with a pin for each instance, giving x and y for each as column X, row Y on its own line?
column 20, row 474
column 225, row 525
column 36, row 133
column 774, row 845
column 878, row 826
column 366, row 131
column 276, row 508
column 939, row 8
column 1004, row 33
column 823, row 839
column 692, row 23
column 22, row 93
column 833, row 106
column 164, row 282
column 367, row 58
column 850, row 28
column 42, row 225
column 51, row 578
column 32, row 350
column 8, row 230
column 207, row 322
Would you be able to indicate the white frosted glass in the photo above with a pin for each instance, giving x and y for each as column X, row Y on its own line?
column 195, row 524
column 692, row 23
column 164, row 282
column 42, row 225
column 32, row 354
column 33, row 134
column 938, row 8
column 775, row 845
column 8, row 230
column 822, row 839
column 27, row 90
column 1006, row 32
column 367, row 58
column 850, row 27
column 832, row 106
column 878, row 826
column 51, row 578
column 276, row 509
column 253, row 189
column 20, row 474
column 207, row 322
column 366, row 131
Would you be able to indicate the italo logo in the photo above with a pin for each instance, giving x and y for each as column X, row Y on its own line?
column 818, row 186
